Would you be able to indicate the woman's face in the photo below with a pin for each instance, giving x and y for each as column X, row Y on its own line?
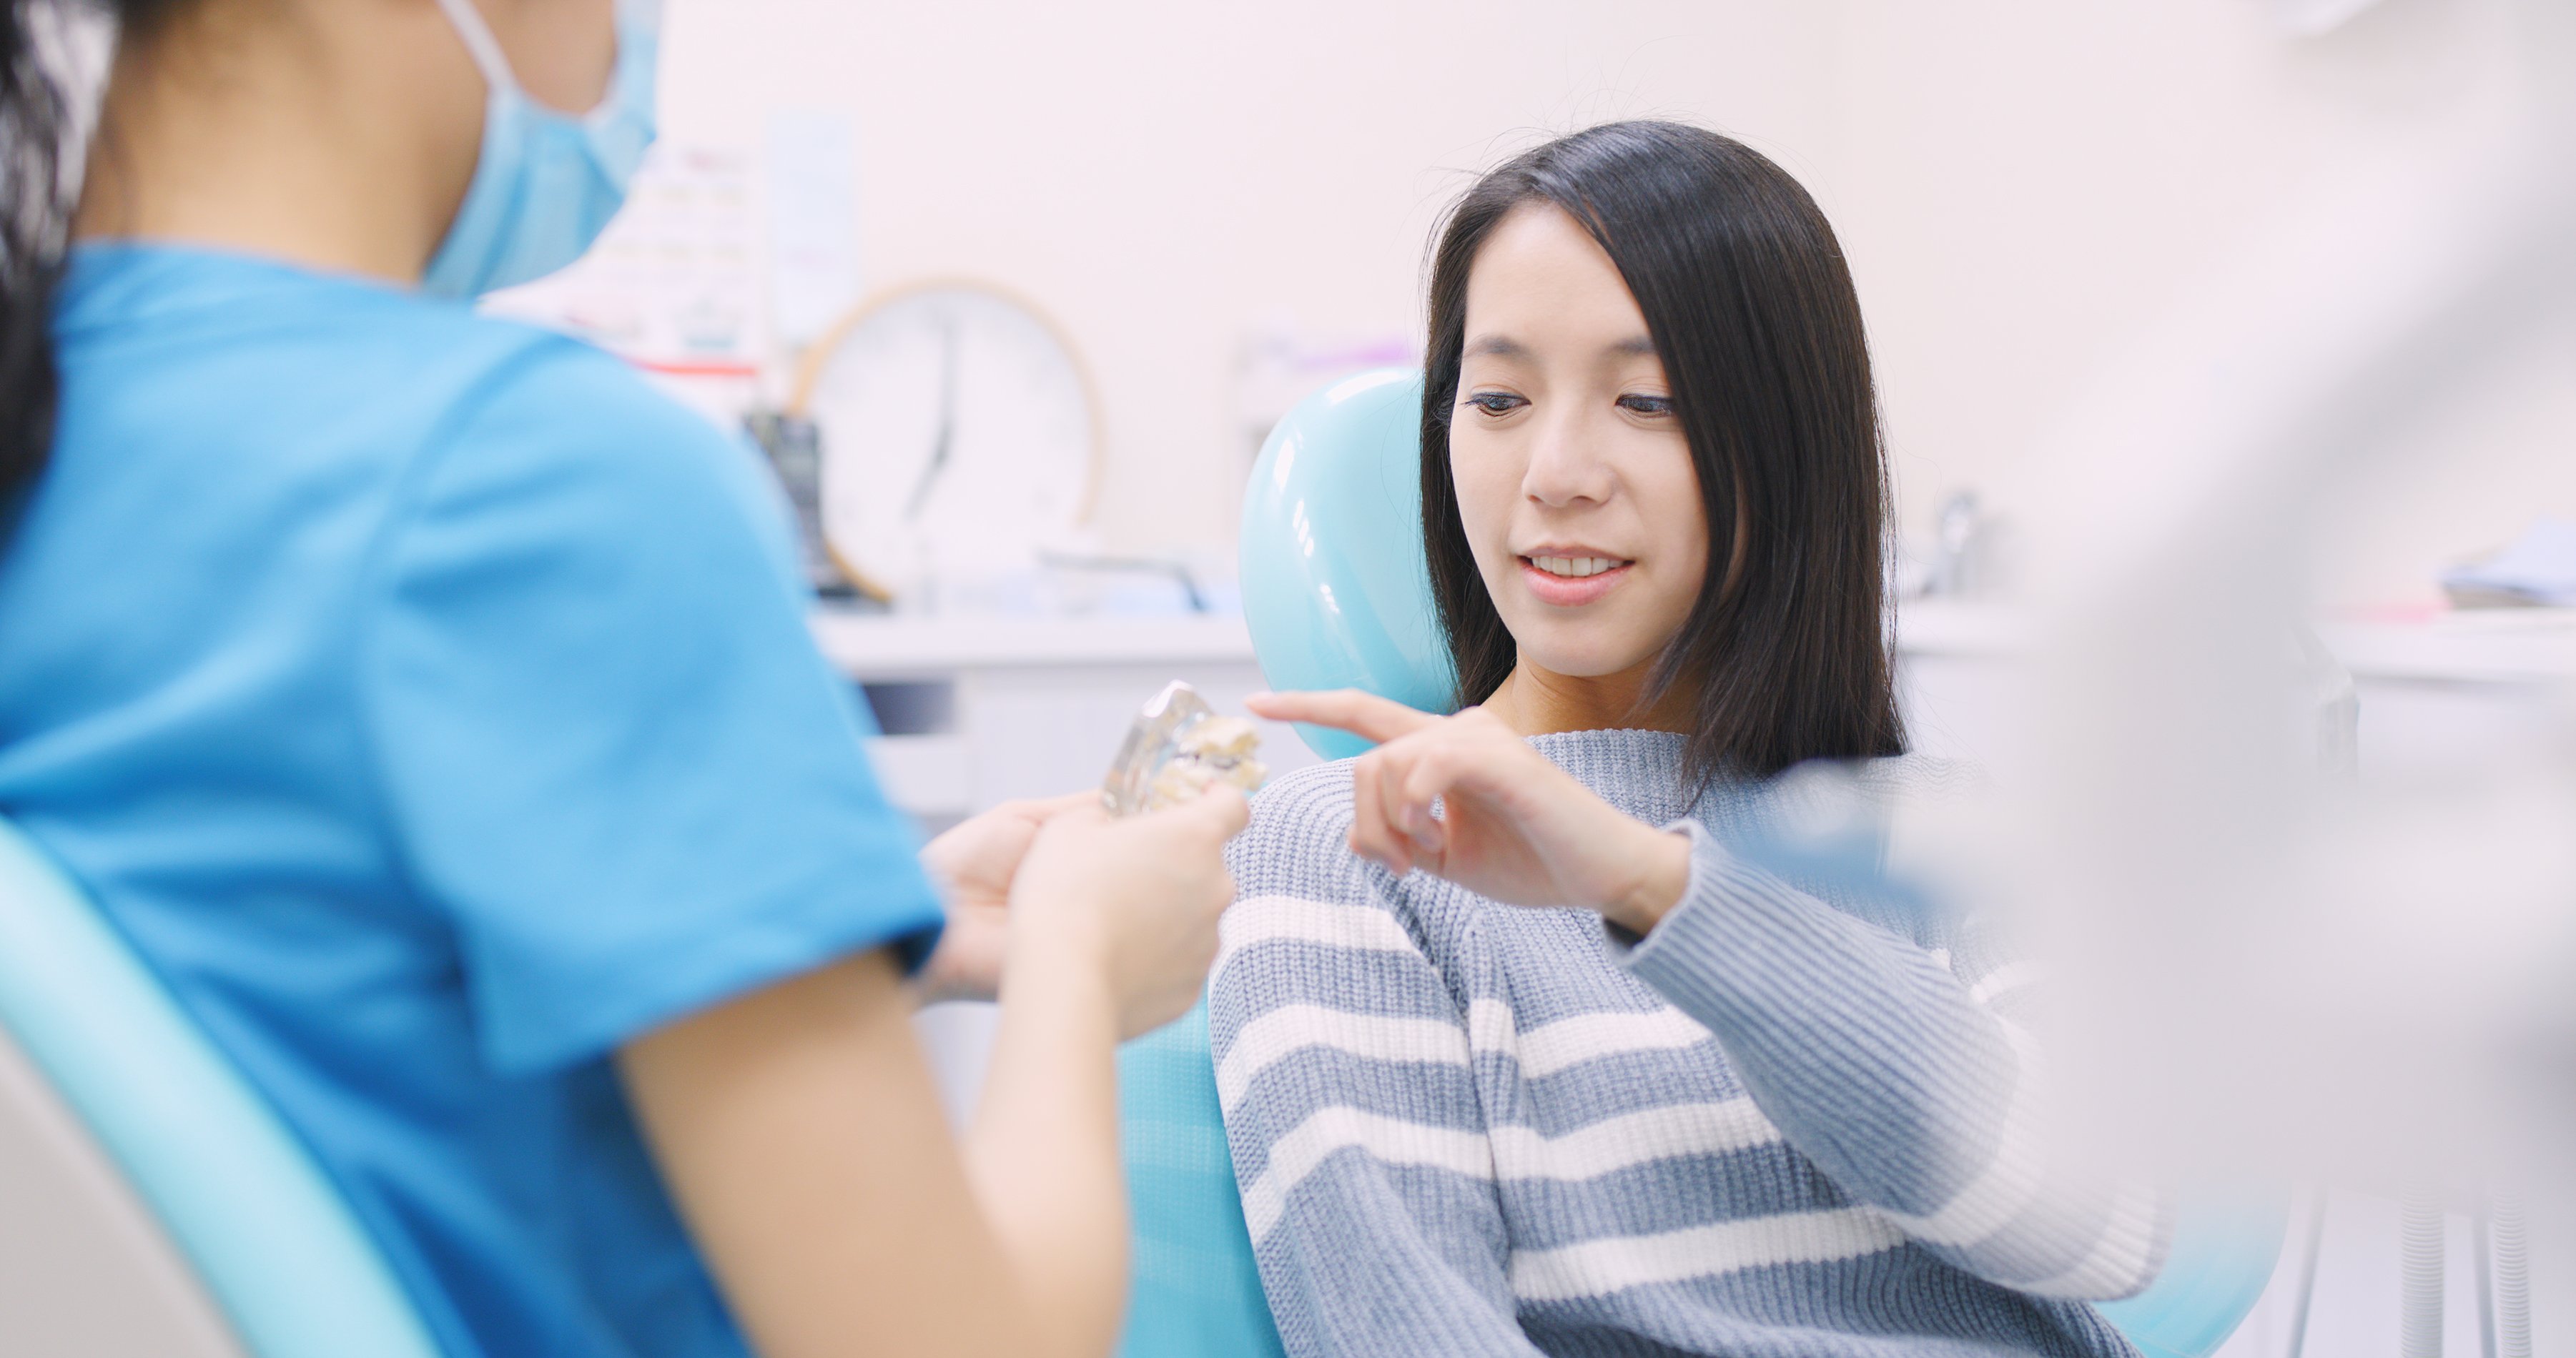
column 1574, row 482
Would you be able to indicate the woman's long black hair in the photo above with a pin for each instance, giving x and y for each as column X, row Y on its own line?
column 1753, row 313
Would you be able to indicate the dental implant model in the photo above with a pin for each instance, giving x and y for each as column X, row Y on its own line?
column 1177, row 750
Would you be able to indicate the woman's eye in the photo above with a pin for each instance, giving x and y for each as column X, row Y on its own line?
column 1496, row 402
column 1646, row 405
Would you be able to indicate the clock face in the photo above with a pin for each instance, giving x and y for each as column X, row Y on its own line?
column 957, row 439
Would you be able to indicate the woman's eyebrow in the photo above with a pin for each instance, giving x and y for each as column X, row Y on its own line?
column 1635, row 346
column 1497, row 346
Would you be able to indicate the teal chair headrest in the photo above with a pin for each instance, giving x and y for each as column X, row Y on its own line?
column 1334, row 587
column 1195, row 1291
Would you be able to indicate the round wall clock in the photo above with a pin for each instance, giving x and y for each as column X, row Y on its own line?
column 960, row 436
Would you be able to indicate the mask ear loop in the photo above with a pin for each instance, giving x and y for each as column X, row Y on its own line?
column 639, row 26
column 480, row 44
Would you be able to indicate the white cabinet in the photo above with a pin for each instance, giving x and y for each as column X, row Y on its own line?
column 980, row 711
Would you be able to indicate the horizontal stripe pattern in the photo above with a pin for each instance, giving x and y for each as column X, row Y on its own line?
column 1505, row 1154
column 1614, row 1264
column 1998, row 1195
column 1552, row 1048
column 1543, row 1051
column 2128, row 1254
column 1412, row 1076
column 1672, row 1132
column 1257, row 920
column 1290, row 1029
column 1388, row 1140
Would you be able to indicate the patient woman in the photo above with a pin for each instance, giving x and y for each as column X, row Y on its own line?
column 1712, row 1110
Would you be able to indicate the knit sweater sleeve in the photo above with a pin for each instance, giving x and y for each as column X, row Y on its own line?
column 1897, row 1071
column 1350, row 1103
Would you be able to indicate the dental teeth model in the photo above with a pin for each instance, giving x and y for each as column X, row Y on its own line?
column 1178, row 749
column 1217, row 750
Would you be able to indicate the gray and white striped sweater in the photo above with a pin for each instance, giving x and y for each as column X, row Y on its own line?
column 1786, row 1123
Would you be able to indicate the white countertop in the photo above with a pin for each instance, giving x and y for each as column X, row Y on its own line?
column 2475, row 646
column 871, row 643
column 868, row 646
column 2486, row 645
column 2483, row 645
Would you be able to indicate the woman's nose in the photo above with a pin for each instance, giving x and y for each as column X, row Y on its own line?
column 1565, row 463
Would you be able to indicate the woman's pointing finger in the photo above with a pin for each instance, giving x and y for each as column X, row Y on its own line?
column 1362, row 714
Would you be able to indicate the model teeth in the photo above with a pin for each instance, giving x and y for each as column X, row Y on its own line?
column 1575, row 567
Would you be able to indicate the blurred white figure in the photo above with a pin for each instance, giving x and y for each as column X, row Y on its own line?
column 2372, row 981
column 2312, row 17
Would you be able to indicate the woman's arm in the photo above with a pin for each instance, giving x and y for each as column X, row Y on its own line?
column 1883, row 1064
column 1874, row 1058
column 1350, row 1105
column 804, row 1143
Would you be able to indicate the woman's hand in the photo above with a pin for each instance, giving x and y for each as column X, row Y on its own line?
column 1511, row 825
column 973, row 863
column 1131, row 901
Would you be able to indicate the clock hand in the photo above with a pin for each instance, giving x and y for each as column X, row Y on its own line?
column 947, row 438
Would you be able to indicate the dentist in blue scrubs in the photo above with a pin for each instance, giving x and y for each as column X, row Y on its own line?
column 429, row 703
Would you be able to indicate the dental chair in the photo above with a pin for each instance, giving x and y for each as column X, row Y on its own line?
column 151, row 1203
column 1337, row 596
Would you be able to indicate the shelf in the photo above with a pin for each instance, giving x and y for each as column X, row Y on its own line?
column 874, row 647
column 1943, row 627
column 2473, row 646
column 2468, row 646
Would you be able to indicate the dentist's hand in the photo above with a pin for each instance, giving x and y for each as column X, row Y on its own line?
column 1131, row 902
column 1512, row 825
column 973, row 863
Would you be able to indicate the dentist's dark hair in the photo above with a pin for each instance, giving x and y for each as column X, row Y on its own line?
column 1752, row 311
column 36, row 188
column 32, row 118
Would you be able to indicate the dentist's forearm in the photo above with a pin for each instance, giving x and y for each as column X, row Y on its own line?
column 1043, row 1150
column 802, row 1139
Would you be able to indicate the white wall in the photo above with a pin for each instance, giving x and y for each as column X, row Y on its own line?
column 2021, row 183
column 1163, row 175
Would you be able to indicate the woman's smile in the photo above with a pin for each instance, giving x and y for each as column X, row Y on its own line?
column 1570, row 577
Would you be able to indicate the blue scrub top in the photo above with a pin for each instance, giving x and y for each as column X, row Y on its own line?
column 430, row 703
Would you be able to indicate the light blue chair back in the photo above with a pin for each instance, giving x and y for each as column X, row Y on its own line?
column 1334, row 586
column 2224, row 1251
column 268, row 1236
column 1196, row 1293
column 1337, row 596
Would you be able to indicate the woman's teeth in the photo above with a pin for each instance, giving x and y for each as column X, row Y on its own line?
column 1575, row 567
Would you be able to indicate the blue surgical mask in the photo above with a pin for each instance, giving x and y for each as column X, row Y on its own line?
column 546, row 182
